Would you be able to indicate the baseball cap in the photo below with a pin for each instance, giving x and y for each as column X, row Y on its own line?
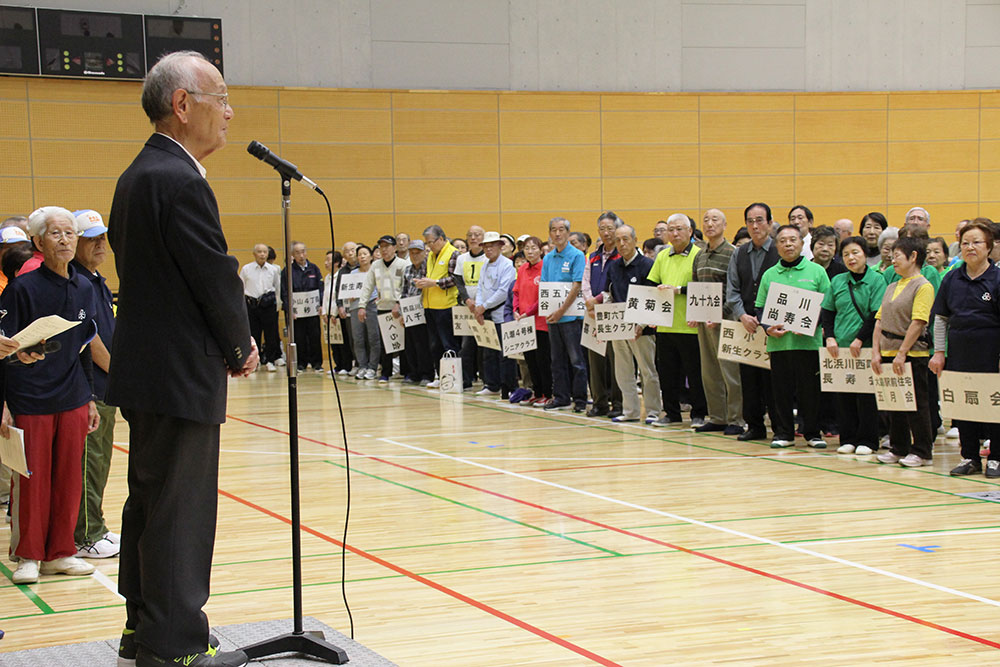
column 523, row 237
column 491, row 237
column 13, row 235
column 391, row 240
column 416, row 244
column 508, row 237
column 90, row 223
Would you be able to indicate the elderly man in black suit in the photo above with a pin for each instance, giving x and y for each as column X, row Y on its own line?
column 182, row 328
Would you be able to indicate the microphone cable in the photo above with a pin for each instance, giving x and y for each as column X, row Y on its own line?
column 343, row 423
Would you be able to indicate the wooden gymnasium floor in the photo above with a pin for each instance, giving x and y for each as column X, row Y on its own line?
column 485, row 534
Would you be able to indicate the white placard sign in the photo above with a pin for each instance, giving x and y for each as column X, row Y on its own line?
column 462, row 320
column 704, row 302
column 393, row 339
column 649, row 306
column 486, row 334
column 518, row 337
column 332, row 331
column 609, row 320
column 895, row 392
column 12, row 452
column 411, row 309
column 551, row 297
column 350, row 286
column 970, row 396
column 797, row 309
column 735, row 344
column 305, row 304
column 846, row 374
column 588, row 338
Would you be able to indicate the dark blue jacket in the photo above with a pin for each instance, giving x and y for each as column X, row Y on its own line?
column 105, row 323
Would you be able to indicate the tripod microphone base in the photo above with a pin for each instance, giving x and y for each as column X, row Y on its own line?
column 312, row 644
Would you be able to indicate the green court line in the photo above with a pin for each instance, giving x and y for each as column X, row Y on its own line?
column 63, row 611
column 28, row 593
column 777, row 459
column 477, row 509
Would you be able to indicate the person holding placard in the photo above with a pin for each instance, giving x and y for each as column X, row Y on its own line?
column 632, row 268
column 967, row 325
column 848, row 320
column 899, row 337
column 565, row 264
column 721, row 379
column 525, row 303
column 364, row 328
column 748, row 264
column 440, row 293
column 604, row 390
column 307, row 280
column 420, row 365
column 499, row 372
column 677, row 353
column 386, row 280
column 794, row 362
column 350, row 254
column 468, row 269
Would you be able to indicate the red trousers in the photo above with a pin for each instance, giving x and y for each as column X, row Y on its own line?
column 44, row 507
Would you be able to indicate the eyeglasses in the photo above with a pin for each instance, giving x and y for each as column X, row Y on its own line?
column 756, row 221
column 57, row 235
column 970, row 244
column 223, row 97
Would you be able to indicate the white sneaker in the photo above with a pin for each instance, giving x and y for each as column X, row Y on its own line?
column 942, row 430
column 279, row 362
column 360, row 375
column 343, row 371
column 952, row 433
column 370, row 374
column 779, row 443
column 102, row 548
column 697, row 422
column 887, row 457
column 113, row 537
column 817, row 443
column 271, row 368
column 486, row 391
column 433, row 384
column 914, row 461
column 884, row 443
column 26, row 572
column 863, row 450
column 845, row 449
column 70, row 565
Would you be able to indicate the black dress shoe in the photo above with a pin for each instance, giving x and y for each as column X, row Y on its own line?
column 582, row 407
column 967, row 467
column 709, row 427
column 596, row 412
column 615, row 413
column 752, row 434
column 733, row 429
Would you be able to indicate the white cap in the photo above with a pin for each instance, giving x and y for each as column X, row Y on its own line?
column 89, row 223
column 491, row 237
column 13, row 235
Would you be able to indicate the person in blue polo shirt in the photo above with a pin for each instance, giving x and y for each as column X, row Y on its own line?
column 92, row 536
column 565, row 264
column 967, row 334
column 52, row 400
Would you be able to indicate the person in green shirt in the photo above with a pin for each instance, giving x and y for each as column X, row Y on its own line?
column 794, row 362
column 848, row 320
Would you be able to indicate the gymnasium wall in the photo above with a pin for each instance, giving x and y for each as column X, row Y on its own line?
column 398, row 161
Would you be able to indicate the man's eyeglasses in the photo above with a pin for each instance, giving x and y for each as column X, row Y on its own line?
column 223, row 97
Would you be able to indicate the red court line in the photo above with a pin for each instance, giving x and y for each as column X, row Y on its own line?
column 423, row 580
column 433, row 584
column 692, row 552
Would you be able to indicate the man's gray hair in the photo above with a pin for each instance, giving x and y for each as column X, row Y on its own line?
column 918, row 208
column 562, row 220
column 38, row 221
column 631, row 230
column 679, row 217
column 888, row 234
column 14, row 221
column 170, row 73
column 436, row 231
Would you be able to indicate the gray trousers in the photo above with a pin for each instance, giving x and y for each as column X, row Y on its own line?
column 367, row 338
column 643, row 351
column 721, row 380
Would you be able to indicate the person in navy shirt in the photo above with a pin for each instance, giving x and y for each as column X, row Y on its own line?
column 967, row 334
column 51, row 400
column 565, row 264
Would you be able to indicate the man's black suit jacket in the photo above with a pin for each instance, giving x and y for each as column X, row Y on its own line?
column 181, row 314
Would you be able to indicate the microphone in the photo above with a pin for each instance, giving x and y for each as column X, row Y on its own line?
column 284, row 167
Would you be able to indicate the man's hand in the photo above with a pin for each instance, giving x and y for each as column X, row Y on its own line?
column 675, row 290
column 776, row 330
column 832, row 347
column 342, row 312
column 876, row 362
column 93, row 417
column 362, row 315
column 424, row 283
column 8, row 346
column 898, row 362
column 251, row 363
column 749, row 322
column 556, row 316
column 471, row 305
column 6, row 422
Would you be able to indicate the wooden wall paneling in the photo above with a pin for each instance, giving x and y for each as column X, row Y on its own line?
column 836, row 158
column 15, row 157
column 421, row 126
column 989, row 154
column 352, row 196
column 447, row 196
column 554, row 161
column 989, row 123
column 550, row 127
column 924, row 156
column 643, row 127
column 943, row 216
column 485, row 101
column 649, row 102
column 738, row 191
column 952, row 99
column 75, row 192
column 455, row 225
column 827, row 215
column 319, row 98
column 664, row 194
column 91, row 120
column 737, row 159
column 447, row 161
column 855, row 125
column 933, row 124
column 840, row 190
column 83, row 158
column 581, row 194
column 746, row 102
column 649, row 160
column 927, row 189
column 253, row 124
column 840, row 102
column 513, row 101
column 536, row 222
column 14, row 119
column 16, row 197
column 325, row 161
column 746, row 127
column 347, row 126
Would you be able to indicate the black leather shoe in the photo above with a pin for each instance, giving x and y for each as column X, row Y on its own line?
column 597, row 412
column 967, row 467
column 615, row 413
column 752, row 434
column 709, row 427
column 733, row 429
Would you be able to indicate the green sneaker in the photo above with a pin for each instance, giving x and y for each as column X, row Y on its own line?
column 127, row 650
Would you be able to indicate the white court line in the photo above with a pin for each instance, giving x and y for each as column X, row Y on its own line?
column 103, row 580
column 722, row 529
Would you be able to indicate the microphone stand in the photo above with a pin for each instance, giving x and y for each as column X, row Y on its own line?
column 311, row 643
